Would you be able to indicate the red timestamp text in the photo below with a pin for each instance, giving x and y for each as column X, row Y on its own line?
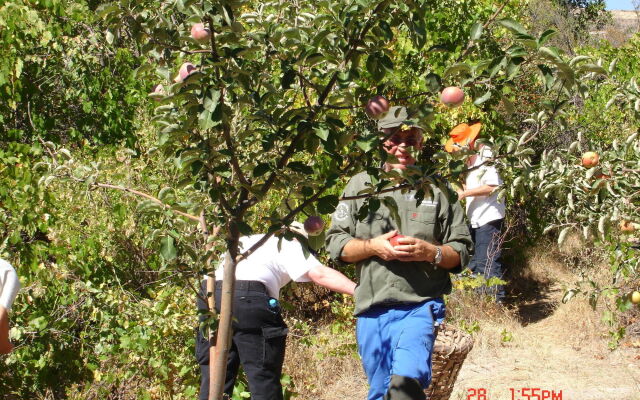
column 523, row 393
column 535, row 394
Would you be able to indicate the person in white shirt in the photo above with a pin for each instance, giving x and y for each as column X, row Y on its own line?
column 485, row 212
column 259, row 332
column 9, row 286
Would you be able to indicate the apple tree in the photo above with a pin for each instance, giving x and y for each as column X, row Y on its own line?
column 259, row 109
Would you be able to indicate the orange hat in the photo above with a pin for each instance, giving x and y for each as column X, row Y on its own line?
column 462, row 135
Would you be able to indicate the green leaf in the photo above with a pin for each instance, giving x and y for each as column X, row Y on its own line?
column 105, row 9
column 327, row 204
column 563, row 235
column 482, row 98
column 300, row 167
column 516, row 51
column 322, row 132
column 457, row 68
column 261, row 169
column 391, row 204
column 287, row 79
column 109, row 37
column 550, row 53
column 212, row 99
column 433, row 82
column 244, row 228
column 513, row 26
column 366, row 144
column 546, row 35
column 375, row 67
column 313, row 59
column 205, row 121
column 167, row 248
column 592, row 68
column 316, row 242
column 476, row 31
column 547, row 75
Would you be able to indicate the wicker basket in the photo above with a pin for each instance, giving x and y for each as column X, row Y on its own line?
column 449, row 352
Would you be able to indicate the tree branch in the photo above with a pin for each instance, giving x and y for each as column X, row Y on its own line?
column 470, row 44
column 325, row 93
column 147, row 196
column 288, row 218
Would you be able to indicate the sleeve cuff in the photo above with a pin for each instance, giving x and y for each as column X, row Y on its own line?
column 335, row 252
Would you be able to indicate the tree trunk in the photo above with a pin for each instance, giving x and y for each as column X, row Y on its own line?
column 218, row 368
column 211, row 287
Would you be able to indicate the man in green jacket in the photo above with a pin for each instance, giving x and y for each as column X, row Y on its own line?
column 399, row 293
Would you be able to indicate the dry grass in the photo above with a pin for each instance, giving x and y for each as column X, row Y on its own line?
column 550, row 345
column 326, row 369
column 536, row 341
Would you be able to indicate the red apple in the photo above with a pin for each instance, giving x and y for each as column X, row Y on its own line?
column 452, row 96
column 376, row 107
column 157, row 92
column 590, row 159
column 185, row 70
column 314, row 225
column 199, row 32
column 394, row 240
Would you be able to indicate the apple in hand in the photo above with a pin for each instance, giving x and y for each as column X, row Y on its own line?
column 394, row 240
column 376, row 107
column 452, row 96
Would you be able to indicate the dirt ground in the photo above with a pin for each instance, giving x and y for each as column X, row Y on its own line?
column 564, row 352
column 536, row 342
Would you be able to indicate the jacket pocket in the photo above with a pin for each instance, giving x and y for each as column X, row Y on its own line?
column 422, row 225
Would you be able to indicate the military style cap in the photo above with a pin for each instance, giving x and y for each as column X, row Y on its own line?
column 397, row 116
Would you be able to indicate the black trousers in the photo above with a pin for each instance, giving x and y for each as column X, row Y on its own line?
column 258, row 343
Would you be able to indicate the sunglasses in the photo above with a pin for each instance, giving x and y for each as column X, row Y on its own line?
column 408, row 138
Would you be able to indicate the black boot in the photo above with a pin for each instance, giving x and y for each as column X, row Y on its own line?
column 403, row 388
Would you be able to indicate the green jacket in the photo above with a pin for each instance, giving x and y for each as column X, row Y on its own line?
column 436, row 220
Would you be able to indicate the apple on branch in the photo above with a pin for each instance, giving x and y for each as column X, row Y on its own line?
column 590, row 159
column 376, row 107
column 452, row 96
column 157, row 92
column 186, row 69
column 314, row 225
column 200, row 32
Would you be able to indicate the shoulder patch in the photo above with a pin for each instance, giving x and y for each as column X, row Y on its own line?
column 342, row 211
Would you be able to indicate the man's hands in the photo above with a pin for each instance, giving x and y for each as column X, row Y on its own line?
column 414, row 249
column 381, row 247
column 409, row 248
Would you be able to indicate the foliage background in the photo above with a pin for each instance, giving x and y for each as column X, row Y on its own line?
column 102, row 314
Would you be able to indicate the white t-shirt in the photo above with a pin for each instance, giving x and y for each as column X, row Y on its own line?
column 272, row 267
column 483, row 209
column 9, row 284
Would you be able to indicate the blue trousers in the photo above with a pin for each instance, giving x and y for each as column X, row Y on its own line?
column 486, row 258
column 398, row 340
